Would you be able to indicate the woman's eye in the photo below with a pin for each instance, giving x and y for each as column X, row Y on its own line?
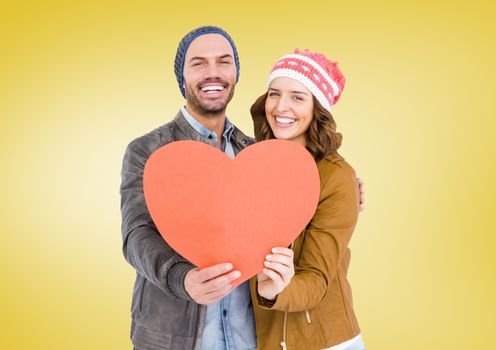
column 272, row 93
column 298, row 98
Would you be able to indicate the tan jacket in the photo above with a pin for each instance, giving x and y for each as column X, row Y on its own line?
column 315, row 310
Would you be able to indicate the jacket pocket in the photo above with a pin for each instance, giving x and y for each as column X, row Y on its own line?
column 333, row 327
column 144, row 338
column 302, row 332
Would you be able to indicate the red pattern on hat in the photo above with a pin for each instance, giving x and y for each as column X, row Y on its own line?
column 329, row 66
column 328, row 81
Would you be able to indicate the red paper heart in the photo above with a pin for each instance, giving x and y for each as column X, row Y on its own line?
column 212, row 209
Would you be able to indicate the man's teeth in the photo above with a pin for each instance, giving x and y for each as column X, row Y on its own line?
column 212, row 88
column 285, row 120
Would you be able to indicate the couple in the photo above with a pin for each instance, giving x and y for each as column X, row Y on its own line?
column 302, row 299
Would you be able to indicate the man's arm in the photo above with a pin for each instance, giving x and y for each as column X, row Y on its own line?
column 150, row 255
column 143, row 247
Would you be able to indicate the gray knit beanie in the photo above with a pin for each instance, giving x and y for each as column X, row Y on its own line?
column 186, row 41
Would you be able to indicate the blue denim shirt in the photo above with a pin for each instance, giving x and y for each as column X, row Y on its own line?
column 201, row 129
column 229, row 324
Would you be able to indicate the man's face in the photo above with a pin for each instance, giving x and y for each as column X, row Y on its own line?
column 209, row 74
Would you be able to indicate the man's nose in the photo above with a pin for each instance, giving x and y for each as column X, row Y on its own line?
column 212, row 71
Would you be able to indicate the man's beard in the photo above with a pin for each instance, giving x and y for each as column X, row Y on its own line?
column 205, row 107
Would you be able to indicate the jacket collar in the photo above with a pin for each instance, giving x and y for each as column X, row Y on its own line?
column 238, row 139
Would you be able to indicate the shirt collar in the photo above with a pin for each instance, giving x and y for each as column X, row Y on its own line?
column 202, row 130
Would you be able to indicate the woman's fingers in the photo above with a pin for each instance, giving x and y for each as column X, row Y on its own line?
column 361, row 188
column 279, row 269
column 281, row 259
column 283, row 251
column 281, row 255
column 285, row 272
column 275, row 277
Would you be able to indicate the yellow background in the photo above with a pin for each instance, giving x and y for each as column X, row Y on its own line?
column 80, row 79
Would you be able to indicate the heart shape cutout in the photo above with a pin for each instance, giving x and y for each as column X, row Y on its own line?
column 212, row 209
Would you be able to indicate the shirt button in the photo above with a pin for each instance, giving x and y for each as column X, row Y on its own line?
column 224, row 312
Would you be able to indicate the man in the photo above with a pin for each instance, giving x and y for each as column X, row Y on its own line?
column 175, row 305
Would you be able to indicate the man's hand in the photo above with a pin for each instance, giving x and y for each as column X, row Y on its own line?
column 278, row 272
column 209, row 285
column 361, row 188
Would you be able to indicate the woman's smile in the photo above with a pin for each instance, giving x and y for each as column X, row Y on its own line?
column 284, row 122
column 289, row 109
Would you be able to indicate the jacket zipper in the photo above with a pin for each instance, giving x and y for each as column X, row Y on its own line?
column 309, row 320
column 283, row 343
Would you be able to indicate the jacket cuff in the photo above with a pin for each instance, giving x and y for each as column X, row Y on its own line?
column 267, row 303
column 175, row 279
column 280, row 303
column 263, row 303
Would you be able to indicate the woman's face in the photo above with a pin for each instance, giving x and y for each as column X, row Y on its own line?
column 289, row 109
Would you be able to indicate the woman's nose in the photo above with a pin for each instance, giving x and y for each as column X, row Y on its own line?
column 282, row 105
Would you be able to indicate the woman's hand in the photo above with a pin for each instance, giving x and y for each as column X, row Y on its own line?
column 278, row 272
column 361, row 189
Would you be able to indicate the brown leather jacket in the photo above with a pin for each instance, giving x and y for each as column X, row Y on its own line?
column 315, row 310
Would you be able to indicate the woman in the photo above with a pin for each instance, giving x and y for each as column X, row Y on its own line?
column 302, row 299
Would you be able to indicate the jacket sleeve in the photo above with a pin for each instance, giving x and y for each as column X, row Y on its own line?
column 326, row 240
column 143, row 247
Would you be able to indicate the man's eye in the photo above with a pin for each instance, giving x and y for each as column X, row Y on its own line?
column 225, row 62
